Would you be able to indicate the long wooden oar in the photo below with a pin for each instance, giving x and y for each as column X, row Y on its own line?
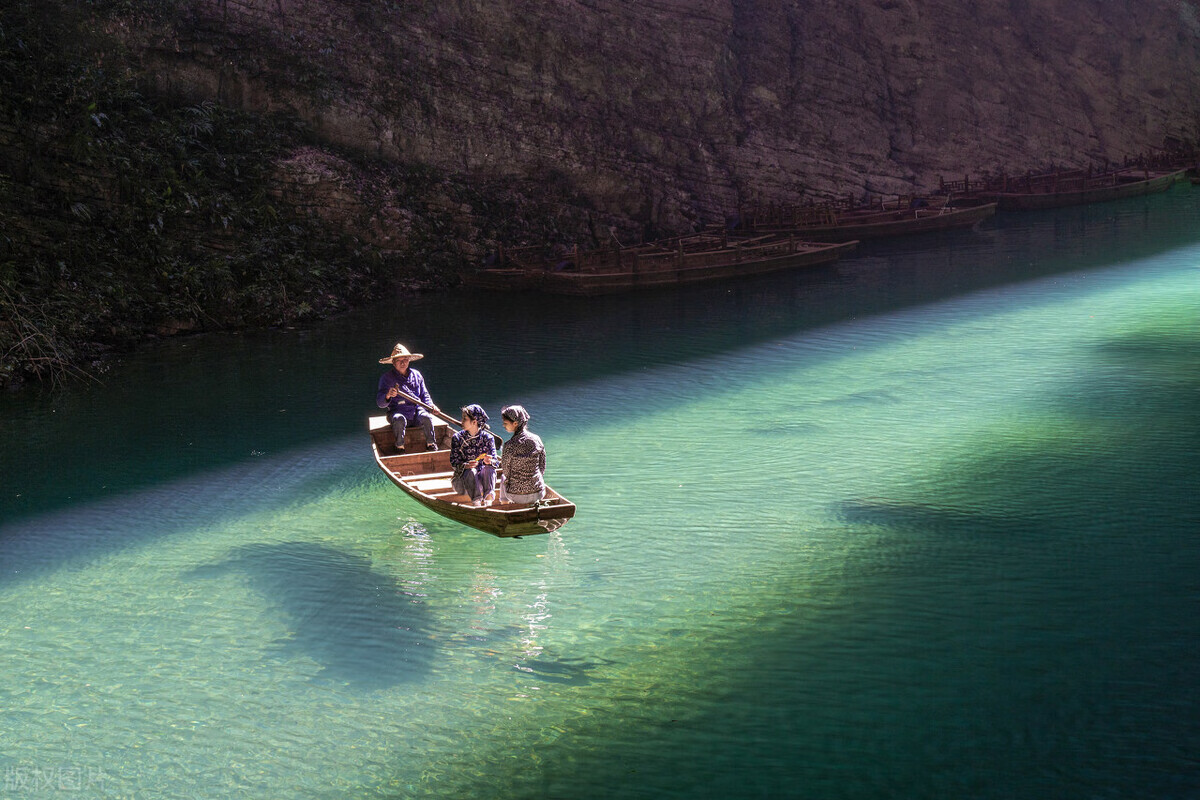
column 446, row 417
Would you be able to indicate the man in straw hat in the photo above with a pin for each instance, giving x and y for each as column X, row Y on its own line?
column 401, row 412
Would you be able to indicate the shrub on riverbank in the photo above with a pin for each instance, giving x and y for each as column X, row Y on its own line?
column 125, row 214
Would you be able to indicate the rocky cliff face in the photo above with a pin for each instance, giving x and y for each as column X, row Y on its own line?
column 665, row 113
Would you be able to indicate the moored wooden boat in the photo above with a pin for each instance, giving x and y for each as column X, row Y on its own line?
column 425, row 477
column 1068, row 188
column 703, row 257
column 861, row 224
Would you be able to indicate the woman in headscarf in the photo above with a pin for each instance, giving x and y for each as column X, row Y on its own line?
column 473, row 457
column 523, row 460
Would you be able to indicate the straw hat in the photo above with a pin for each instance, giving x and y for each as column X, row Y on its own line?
column 400, row 351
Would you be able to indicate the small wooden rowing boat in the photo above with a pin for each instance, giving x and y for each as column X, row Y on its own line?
column 424, row 476
column 691, row 259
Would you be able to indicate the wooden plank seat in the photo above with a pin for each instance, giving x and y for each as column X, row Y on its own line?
column 440, row 486
column 414, row 437
column 436, row 476
column 435, row 486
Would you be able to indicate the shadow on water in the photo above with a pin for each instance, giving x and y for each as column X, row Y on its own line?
column 1123, row 439
column 570, row 671
column 929, row 518
column 361, row 627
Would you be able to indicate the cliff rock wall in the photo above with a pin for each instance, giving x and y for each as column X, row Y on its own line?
column 673, row 111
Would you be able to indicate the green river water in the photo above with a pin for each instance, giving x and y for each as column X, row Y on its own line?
column 922, row 524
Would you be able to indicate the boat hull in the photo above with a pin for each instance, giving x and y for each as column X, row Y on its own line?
column 1037, row 201
column 892, row 223
column 650, row 271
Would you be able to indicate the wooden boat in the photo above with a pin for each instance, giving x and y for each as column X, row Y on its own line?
column 1068, row 188
column 685, row 260
column 425, row 477
column 828, row 224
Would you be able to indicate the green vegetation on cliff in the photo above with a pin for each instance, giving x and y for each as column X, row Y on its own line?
column 124, row 214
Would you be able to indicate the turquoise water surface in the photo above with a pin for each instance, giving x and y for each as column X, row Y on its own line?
column 922, row 524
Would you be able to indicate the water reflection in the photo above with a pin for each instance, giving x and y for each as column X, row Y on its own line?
column 537, row 621
column 362, row 627
column 535, row 658
column 483, row 593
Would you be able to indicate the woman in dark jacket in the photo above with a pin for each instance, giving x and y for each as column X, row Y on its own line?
column 523, row 460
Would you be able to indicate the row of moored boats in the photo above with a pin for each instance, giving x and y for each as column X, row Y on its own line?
column 781, row 236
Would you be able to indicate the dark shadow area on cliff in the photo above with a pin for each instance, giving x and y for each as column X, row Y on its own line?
column 359, row 625
column 195, row 404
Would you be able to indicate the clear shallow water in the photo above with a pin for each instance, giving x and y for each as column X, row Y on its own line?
column 919, row 525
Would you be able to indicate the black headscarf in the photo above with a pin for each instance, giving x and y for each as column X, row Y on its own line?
column 476, row 413
column 517, row 415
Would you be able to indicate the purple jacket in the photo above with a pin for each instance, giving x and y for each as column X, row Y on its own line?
column 411, row 383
